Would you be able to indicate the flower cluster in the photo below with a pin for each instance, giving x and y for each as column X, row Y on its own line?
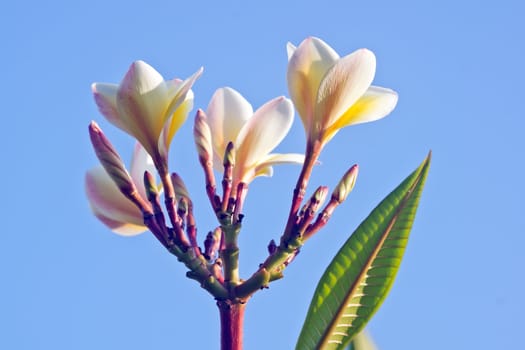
column 329, row 92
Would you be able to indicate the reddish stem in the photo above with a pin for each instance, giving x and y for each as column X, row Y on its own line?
column 312, row 154
column 232, row 321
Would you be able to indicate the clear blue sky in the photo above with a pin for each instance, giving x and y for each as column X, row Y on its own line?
column 68, row 283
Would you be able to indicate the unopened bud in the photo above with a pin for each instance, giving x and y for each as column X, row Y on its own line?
column 179, row 187
column 345, row 186
column 202, row 137
column 211, row 244
column 272, row 247
column 150, row 186
column 318, row 197
column 315, row 201
column 182, row 208
column 229, row 155
column 110, row 159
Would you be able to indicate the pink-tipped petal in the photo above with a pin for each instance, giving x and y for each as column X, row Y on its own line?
column 108, row 202
column 105, row 96
column 121, row 228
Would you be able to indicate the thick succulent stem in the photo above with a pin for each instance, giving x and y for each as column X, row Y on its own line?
column 232, row 323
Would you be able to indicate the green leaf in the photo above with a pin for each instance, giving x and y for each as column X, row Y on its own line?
column 359, row 277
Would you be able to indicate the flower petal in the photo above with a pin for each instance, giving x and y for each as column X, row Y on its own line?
column 122, row 228
column 227, row 113
column 178, row 91
column 110, row 205
column 265, row 166
column 140, row 163
column 275, row 159
column 376, row 103
column 106, row 99
column 174, row 122
column 264, row 131
column 142, row 101
column 180, row 105
column 306, row 68
column 278, row 158
column 266, row 171
column 342, row 86
column 290, row 49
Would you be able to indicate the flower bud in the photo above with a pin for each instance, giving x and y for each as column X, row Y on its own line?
column 202, row 136
column 229, row 155
column 150, row 186
column 211, row 244
column 345, row 186
column 272, row 247
column 318, row 197
column 180, row 188
column 110, row 160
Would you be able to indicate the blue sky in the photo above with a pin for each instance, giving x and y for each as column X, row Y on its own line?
column 69, row 283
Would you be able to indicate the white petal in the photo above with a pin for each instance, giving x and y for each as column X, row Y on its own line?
column 140, row 163
column 142, row 100
column 276, row 159
column 227, row 113
column 265, row 167
column 343, row 85
column 264, row 131
column 306, row 68
column 290, row 49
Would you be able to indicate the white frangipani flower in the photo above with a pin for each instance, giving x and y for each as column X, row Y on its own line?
column 330, row 92
column 254, row 134
column 146, row 106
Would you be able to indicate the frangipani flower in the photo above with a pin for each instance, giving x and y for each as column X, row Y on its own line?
column 107, row 201
column 147, row 107
column 330, row 92
column 254, row 135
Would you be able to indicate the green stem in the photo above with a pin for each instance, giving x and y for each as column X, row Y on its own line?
column 230, row 253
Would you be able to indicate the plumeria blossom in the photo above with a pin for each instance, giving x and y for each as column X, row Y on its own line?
column 107, row 201
column 331, row 92
column 254, row 134
column 147, row 107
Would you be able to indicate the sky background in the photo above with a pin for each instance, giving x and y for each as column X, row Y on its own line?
column 67, row 282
